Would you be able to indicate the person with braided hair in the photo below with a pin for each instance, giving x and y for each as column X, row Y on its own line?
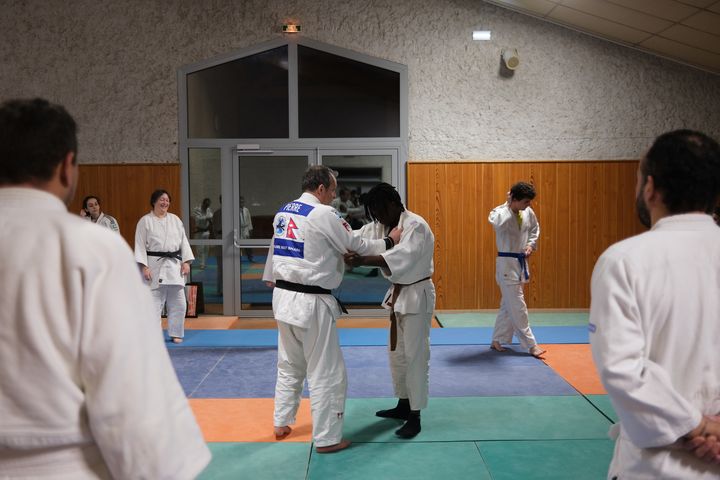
column 410, row 299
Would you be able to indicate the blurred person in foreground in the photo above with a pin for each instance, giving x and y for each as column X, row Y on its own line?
column 88, row 390
column 654, row 324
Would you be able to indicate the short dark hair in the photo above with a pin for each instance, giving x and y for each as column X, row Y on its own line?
column 315, row 176
column 35, row 136
column 522, row 190
column 157, row 194
column 379, row 196
column 685, row 166
column 88, row 198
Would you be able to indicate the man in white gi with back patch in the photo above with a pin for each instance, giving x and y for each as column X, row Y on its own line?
column 305, row 262
column 655, row 318
column 87, row 390
column 411, row 300
column 516, row 235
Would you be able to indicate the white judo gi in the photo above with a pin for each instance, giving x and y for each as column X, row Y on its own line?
column 87, row 389
column 409, row 263
column 654, row 330
column 166, row 234
column 106, row 221
column 308, row 246
column 510, row 276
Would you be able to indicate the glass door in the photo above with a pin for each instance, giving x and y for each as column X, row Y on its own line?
column 362, row 288
column 262, row 183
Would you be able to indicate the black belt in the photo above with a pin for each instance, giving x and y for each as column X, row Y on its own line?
column 298, row 287
column 166, row 254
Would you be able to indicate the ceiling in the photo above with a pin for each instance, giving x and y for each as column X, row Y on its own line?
column 687, row 31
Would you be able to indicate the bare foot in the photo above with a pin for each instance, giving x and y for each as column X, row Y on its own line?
column 497, row 347
column 282, row 432
column 334, row 448
column 537, row 351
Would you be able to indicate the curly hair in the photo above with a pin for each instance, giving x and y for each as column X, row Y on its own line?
column 379, row 196
column 522, row 190
column 685, row 167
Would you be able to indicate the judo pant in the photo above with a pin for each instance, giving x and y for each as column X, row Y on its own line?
column 313, row 353
column 410, row 362
column 513, row 317
column 173, row 297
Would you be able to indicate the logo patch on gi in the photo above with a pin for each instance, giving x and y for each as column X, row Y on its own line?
column 280, row 227
column 291, row 229
column 592, row 327
column 347, row 226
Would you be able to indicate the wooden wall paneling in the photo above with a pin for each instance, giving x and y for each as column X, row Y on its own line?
column 582, row 207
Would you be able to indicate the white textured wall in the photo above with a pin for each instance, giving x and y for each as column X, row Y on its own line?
column 114, row 63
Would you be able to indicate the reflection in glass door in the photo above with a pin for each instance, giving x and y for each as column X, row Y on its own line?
column 263, row 183
column 358, row 172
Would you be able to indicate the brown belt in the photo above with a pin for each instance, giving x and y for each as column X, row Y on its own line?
column 393, row 320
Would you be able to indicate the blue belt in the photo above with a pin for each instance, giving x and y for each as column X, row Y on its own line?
column 521, row 259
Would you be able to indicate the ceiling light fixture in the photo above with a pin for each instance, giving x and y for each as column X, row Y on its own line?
column 481, row 35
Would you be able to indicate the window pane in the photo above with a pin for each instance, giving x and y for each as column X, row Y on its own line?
column 266, row 183
column 361, row 286
column 206, row 224
column 244, row 98
column 340, row 97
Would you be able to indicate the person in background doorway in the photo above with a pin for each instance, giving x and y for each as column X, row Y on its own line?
column 246, row 227
column 516, row 235
column 203, row 226
column 163, row 251
column 87, row 390
column 91, row 211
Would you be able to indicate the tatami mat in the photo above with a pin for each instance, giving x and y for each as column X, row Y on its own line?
column 258, row 461
column 482, row 418
column 374, row 336
column 455, row 371
column 537, row 319
column 363, row 461
column 246, row 420
column 555, row 459
column 575, row 364
column 602, row 402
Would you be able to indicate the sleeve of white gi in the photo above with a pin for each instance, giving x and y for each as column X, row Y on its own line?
column 137, row 411
column 186, row 251
column 403, row 256
column 340, row 235
column 652, row 412
column 500, row 216
column 534, row 231
column 268, row 275
column 140, row 242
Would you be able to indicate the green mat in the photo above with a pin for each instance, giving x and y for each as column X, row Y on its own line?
column 259, row 461
column 486, row 319
column 463, row 419
column 602, row 402
column 396, row 461
column 556, row 459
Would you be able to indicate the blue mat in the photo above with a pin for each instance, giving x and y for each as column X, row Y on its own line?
column 454, row 372
column 374, row 337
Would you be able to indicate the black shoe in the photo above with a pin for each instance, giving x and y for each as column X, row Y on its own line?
column 411, row 427
column 401, row 411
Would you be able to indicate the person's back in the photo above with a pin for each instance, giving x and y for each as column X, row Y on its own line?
column 88, row 390
column 654, row 318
